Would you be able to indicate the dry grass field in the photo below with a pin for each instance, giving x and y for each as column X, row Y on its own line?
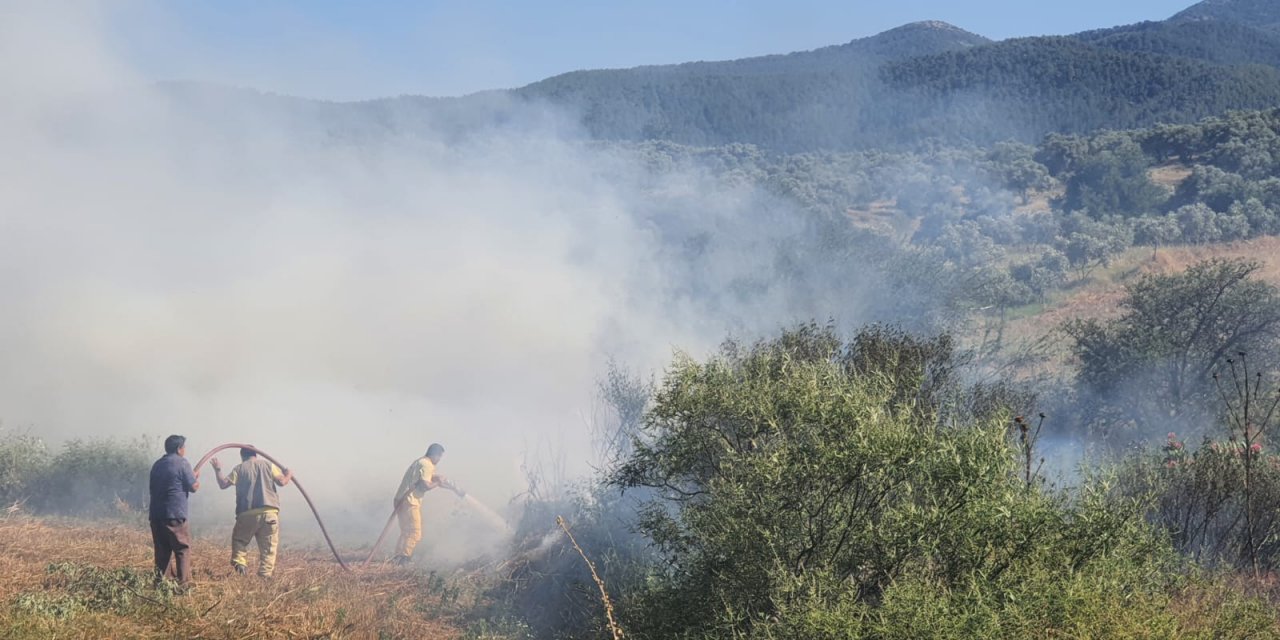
column 72, row 579
column 1100, row 295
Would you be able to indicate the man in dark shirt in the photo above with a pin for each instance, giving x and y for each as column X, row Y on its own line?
column 171, row 482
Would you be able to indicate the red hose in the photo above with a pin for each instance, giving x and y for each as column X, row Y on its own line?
column 383, row 535
column 264, row 454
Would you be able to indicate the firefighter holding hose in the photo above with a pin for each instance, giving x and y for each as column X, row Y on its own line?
column 257, row 509
column 419, row 478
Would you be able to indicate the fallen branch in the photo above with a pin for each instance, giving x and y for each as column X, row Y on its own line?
column 604, row 593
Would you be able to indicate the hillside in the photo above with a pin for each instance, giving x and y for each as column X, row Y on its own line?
column 793, row 101
column 932, row 81
column 1260, row 13
column 1214, row 41
column 1040, row 85
column 915, row 85
column 1099, row 297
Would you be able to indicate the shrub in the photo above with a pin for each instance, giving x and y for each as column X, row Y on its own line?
column 23, row 458
column 1198, row 497
column 72, row 588
column 94, row 478
column 797, row 495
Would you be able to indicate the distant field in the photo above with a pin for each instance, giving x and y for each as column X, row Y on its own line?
column 1100, row 294
column 66, row 579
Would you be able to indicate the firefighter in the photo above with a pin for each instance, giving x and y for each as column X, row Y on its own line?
column 257, row 509
column 419, row 478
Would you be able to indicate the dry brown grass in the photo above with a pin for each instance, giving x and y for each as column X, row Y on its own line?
column 884, row 216
column 1099, row 298
column 1170, row 175
column 310, row 596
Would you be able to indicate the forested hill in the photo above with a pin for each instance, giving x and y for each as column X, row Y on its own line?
column 935, row 81
column 1259, row 13
column 1216, row 41
column 907, row 88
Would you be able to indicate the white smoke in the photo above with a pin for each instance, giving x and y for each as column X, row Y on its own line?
column 231, row 269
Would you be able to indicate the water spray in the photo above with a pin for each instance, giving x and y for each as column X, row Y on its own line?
column 492, row 518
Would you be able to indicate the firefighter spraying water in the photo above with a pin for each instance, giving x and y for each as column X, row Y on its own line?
column 419, row 478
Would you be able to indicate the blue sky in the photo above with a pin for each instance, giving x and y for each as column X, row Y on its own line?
column 348, row 50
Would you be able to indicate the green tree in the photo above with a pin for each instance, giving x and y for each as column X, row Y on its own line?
column 1153, row 365
column 1089, row 244
column 800, row 482
column 1156, row 231
column 1114, row 182
column 1016, row 166
column 1199, row 224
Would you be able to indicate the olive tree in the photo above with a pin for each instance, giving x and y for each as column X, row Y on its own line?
column 1152, row 366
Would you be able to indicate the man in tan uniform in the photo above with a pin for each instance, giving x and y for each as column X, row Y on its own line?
column 419, row 478
column 257, row 509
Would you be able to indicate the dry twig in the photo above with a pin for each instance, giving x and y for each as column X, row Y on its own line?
column 604, row 593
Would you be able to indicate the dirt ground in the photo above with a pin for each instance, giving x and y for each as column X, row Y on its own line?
column 309, row 597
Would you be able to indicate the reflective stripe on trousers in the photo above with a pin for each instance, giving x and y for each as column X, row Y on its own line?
column 265, row 527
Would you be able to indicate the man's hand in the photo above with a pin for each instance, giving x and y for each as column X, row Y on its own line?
column 442, row 481
column 223, row 483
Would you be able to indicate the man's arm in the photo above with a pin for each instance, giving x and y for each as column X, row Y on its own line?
column 190, row 481
column 223, row 483
column 441, row 481
column 282, row 478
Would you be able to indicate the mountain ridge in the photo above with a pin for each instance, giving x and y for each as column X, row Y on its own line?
column 915, row 84
column 1255, row 13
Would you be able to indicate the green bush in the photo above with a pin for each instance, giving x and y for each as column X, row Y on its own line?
column 1197, row 496
column 87, row 478
column 72, row 588
column 23, row 457
column 93, row 478
column 800, row 493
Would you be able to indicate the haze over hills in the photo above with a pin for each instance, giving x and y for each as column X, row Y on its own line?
column 920, row 83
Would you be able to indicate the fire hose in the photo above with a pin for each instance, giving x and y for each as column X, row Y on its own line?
column 264, row 454
column 319, row 520
column 395, row 511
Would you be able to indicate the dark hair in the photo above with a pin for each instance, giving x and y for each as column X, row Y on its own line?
column 246, row 453
column 173, row 443
column 435, row 450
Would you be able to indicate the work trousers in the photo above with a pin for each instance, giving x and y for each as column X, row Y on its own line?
column 410, row 516
column 172, row 539
column 263, row 526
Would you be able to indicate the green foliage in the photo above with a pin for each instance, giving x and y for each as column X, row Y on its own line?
column 1088, row 244
column 87, row 478
column 805, row 487
column 1198, row 497
column 99, row 477
column 72, row 589
column 1261, row 13
column 1153, row 364
column 1220, row 42
column 922, row 83
column 22, row 458
column 1113, row 182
